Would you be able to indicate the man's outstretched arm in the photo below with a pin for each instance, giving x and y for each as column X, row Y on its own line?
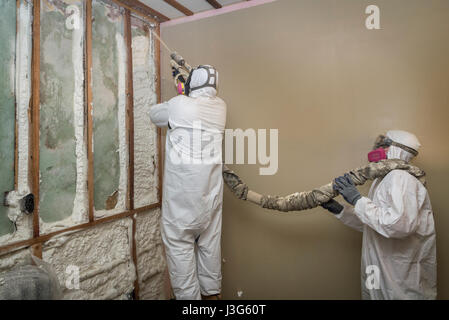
column 159, row 114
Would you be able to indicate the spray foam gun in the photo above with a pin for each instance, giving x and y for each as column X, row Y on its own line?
column 180, row 69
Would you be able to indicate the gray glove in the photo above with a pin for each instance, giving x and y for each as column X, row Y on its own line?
column 333, row 206
column 345, row 186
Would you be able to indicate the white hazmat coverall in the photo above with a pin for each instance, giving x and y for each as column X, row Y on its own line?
column 193, row 189
column 398, row 249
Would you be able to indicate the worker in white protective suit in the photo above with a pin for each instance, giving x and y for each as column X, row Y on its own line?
column 193, row 185
column 398, row 249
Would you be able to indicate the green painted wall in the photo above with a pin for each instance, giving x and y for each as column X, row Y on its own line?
column 57, row 141
column 7, row 106
column 107, row 23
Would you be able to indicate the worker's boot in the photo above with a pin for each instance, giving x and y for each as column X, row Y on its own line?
column 213, row 297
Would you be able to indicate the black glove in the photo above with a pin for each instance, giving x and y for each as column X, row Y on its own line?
column 346, row 187
column 333, row 206
column 174, row 71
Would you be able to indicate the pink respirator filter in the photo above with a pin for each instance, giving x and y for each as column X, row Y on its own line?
column 377, row 155
column 181, row 88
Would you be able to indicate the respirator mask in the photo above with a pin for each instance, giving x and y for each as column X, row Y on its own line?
column 211, row 81
column 382, row 142
column 182, row 75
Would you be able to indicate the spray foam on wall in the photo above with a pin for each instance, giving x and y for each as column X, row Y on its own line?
column 80, row 204
column 145, row 140
column 123, row 143
column 150, row 255
column 23, row 95
column 101, row 254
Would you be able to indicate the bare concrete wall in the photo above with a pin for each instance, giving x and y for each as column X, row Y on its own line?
column 312, row 70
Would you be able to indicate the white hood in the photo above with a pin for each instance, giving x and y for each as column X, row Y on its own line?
column 403, row 137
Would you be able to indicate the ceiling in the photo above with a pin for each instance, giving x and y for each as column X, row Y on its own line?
column 167, row 8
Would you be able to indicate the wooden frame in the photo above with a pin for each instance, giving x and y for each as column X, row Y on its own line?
column 43, row 238
column 157, row 50
column 89, row 110
column 130, row 132
column 129, row 107
column 214, row 4
column 35, row 87
column 141, row 9
column 175, row 4
column 37, row 240
column 16, row 125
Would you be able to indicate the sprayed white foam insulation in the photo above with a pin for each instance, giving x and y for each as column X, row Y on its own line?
column 145, row 132
column 22, row 75
column 101, row 253
column 123, row 149
column 80, row 207
column 149, row 245
column 102, row 256
column 15, row 259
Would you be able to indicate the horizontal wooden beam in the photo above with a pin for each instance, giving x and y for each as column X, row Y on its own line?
column 45, row 237
column 139, row 13
column 143, row 8
column 214, row 4
column 179, row 7
column 215, row 12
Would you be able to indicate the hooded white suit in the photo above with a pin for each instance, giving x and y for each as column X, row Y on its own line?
column 193, row 189
column 398, row 249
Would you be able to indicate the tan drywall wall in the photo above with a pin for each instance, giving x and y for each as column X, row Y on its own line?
column 312, row 70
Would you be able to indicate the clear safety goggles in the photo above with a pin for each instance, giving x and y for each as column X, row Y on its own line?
column 385, row 142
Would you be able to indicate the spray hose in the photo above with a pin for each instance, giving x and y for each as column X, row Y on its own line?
column 177, row 63
column 299, row 200
column 177, row 60
column 310, row 199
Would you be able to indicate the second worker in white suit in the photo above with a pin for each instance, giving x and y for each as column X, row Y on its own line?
column 193, row 185
column 399, row 244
